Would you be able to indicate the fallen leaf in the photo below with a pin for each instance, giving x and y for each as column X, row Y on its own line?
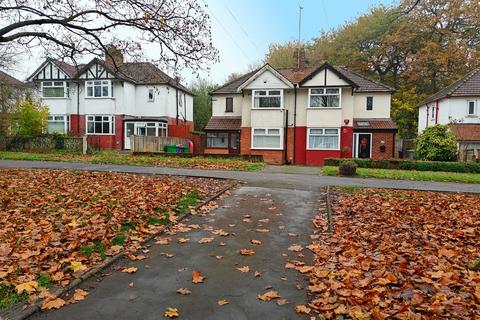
column 222, row 302
column 269, row 296
column 184, row 291
column 282, row 302
column 171, row 313
column 257, row 274
column 244, row 269
column 28, row 287
column 197, row 277
column 163, row 241
column 130, row 270
column 218, row 257
column 76, row 266
column 79, row 294
column 205, row 240
column 296, row 248
column 302, row 309
column 256, row 242
column 56, row 303
column 247, row 252
column 183, row 240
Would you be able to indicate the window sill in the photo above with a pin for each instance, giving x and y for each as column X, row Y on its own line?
column 267, row 108
column 101, row 134
column 56, row 98
column 322, row 108
column 471, row 116
column 216, row 147
column 100, row 98
column 315, row 149
column 276, row 149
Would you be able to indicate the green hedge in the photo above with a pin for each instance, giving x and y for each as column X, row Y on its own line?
column 465, row 167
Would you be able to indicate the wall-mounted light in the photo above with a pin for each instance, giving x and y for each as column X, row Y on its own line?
column 346, row 121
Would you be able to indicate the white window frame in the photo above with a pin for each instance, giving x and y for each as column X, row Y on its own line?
column 323, row 134
column 324, row 94
column 64, row 85
column 65, row 120
column 111, row 121
column 267, row 95
column 366, row 103
column 152, row 91
column 91, row 84
column 474, row 108
column 217, row 133
column 267, row 134
column 356, row 137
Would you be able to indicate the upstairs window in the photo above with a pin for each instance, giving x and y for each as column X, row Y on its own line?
column 229, row 105
column 267, row 99
column 369, row 103
column 54, row 89
column 100, row 125
column 324, row 98
column 99, row 89
column 471, row 108
column 151, row 95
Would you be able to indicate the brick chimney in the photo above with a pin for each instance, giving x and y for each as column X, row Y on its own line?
column 112, row 55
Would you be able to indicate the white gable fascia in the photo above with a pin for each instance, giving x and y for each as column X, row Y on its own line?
column 266, row 78
column 324, row 80
column 48, row 71
column 96, row 71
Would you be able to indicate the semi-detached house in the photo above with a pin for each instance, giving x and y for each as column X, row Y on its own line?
column 302, row 116
column 109, row 100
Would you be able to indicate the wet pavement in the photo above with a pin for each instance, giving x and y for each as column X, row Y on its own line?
column 279, row 218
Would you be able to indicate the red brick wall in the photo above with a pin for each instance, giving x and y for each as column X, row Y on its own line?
column 301, row 145
column 269, row 156
column 216, row 151
column 389, row 142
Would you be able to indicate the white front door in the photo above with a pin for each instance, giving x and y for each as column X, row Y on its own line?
column 129, row 131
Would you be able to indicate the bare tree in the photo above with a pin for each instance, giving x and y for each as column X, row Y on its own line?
column 72, row 28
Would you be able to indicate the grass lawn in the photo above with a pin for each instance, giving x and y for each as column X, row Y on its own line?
column 409, row 175
column 113, row 157
column 55, row 225
column 397, row 254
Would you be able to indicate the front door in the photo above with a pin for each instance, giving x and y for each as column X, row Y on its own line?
column 129, row 130
column 234, row 143
column 363, row 145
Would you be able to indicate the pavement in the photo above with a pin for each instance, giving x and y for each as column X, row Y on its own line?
column 146, row 294
column 299, row 178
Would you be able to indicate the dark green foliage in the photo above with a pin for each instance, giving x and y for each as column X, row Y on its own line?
column 44, row 281
column 347, row 168
column 462, row 167
column 187, row 201
column 436, row 143
column 8, row 296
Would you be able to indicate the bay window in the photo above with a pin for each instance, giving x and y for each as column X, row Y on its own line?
column 54, row 89
column 100, row 124
column 99, row 89
column 324, row 97
column 267, row 98
column 58, row 124
column 323, row 139
column 217, row 140
column 267, row 138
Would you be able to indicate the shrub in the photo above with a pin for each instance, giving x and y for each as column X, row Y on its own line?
column 437, row 143
column 30, row 118
column 347, row 168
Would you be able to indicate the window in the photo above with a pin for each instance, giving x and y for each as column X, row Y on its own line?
column 100, row 125
column 323, row 139
column 229, row 105
column 151, row 95
column 99, row 89
column 217, row 140
column 324, row 98
column 369, row 103
column 58, row 124
column 267, row 98
column 433, row 112
column 266, row 138
column 54, row 89
column 471, row 108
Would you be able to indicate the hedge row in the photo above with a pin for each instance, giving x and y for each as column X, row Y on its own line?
column 466, row 167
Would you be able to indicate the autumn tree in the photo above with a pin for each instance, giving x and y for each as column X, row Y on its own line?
column 202, row 103
column 69, row 29
column 436, row 143
column 29, row 117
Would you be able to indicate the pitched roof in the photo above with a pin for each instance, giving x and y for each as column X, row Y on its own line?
column 8, row 80
column 299, row 75
column 374, row 124
column 468, row 86
column 466, row 131
column 224, row 123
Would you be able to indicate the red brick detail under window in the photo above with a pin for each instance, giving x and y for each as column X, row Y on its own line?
column 269, row 156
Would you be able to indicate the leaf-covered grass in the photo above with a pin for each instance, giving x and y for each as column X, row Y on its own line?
column 56, row 223
column 409, row 175
column 113, row 157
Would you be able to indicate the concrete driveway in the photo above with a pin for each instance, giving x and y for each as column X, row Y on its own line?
column 279, row 218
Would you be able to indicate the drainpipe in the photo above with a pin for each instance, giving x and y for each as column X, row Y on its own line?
column 285, row 143
column 436, row 112
column 294, row 122
column 78, row 107
column 428, row 109
column 176, row 100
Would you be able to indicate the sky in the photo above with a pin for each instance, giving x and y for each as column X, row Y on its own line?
column 243, row 29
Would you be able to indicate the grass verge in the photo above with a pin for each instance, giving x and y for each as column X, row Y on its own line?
column 113, row 157
column 409, row 175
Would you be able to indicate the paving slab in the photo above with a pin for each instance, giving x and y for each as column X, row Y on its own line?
column 154, row 285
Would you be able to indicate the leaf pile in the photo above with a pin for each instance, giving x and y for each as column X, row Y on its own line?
column 399, row 255
column 56, row 224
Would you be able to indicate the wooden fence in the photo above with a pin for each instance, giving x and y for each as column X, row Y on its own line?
column 153, row 144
